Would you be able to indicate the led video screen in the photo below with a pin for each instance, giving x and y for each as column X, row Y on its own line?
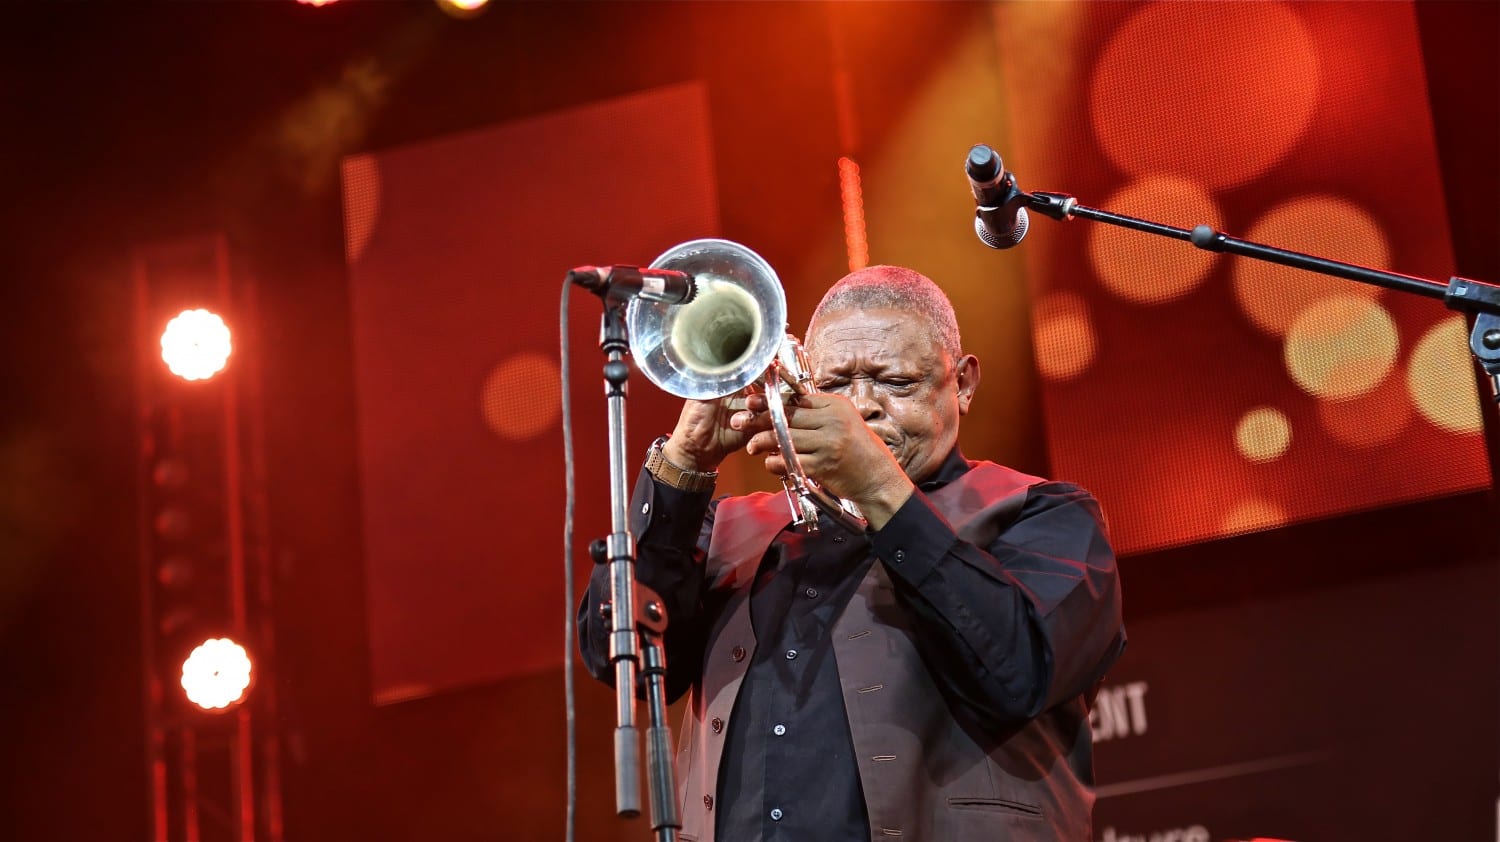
column 1201, row 395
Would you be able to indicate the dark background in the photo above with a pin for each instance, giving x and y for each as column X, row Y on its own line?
column 127, row 123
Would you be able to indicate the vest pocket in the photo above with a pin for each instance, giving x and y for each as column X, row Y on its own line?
column 997, row 805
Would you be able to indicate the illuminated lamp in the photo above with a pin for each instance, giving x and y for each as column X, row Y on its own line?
column 462, row 8
column 195, row 345
column 216, row 674
column 316, row 2
column 852, row 195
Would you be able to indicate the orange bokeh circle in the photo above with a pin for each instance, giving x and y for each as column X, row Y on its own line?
column 1371, row 419
column 521, row 398
column 1063, row 335
column 1341, row 347
column 1218, row 92
column 1263, row 434
column 1252, row 514
column 1440, row 378
column 1274, row 296
column 1135, row 266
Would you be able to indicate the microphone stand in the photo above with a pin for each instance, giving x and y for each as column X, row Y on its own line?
column 636, row 615
column 1477, row 298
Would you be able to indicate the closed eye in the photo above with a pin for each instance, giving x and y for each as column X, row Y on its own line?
column 832, row 384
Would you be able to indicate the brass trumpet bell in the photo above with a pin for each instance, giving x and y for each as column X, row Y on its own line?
column 722, row 340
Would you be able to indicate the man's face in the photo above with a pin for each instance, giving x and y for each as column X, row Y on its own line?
column 892, row 366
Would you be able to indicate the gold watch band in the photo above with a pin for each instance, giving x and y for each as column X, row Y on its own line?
column 674, row 475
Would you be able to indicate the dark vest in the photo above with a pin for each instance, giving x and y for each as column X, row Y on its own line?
column 927, row 771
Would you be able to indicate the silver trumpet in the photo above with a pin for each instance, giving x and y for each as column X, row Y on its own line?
column 731, row 338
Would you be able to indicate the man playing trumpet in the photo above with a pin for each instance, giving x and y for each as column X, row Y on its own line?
column 926, row 679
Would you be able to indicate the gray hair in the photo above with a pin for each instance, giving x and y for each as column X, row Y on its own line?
column 895, row 288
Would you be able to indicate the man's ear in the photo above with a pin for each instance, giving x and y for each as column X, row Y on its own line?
column 967, row 378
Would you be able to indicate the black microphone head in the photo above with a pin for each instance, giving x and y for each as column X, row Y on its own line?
column 983, row 164
column 589, row 277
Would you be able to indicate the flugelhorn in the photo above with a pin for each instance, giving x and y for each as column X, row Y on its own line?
column 730, row 338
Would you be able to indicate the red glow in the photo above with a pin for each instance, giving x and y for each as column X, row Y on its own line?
column 853, row 197
column 216, row 674
column 316, row 2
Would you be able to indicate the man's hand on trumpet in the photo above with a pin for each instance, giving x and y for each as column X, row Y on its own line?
column 835, row 447
column 703, row 435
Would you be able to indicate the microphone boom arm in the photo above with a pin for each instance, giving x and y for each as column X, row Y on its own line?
column 1466, row 295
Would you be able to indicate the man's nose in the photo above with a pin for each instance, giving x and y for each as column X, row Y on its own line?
column 862, row 394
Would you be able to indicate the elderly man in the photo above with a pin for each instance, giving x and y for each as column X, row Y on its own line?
column 928, row 679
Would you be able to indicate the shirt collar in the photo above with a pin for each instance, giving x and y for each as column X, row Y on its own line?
column 952, row 468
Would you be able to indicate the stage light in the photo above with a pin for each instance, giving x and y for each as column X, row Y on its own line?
column 316, row 2
column 216, row 674
column 852, row 194
column 462, row 8
column 195, row 345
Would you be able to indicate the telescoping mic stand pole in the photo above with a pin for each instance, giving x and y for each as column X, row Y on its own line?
column 635, row 613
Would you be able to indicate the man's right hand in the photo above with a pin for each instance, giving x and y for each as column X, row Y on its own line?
column 703, row 436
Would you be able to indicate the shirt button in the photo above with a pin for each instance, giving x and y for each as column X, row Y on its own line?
column 717, row 724
column 812, row 593
column 779, row 730
column 708, row 802
column 645, row 508
column 737, row 653
column 791, row 654
column 838, row 539
column 900, row 556
column 776, row 814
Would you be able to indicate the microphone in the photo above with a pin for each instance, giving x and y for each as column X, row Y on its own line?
column 625, row 282
column 1000, row 220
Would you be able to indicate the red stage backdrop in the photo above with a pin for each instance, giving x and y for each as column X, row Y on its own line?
column 1203, row 395
column 457, row 250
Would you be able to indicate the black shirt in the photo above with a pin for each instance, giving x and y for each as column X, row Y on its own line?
column 974, row 610
column 790, row 772
column 793, row 773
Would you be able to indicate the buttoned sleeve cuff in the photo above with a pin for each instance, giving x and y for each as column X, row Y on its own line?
column 661, row 515
column 914, row 540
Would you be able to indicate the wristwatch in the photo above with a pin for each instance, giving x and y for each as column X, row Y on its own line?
column 674, row 475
